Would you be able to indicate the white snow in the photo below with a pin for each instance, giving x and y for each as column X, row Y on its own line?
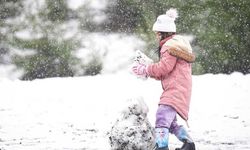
column 76, row 113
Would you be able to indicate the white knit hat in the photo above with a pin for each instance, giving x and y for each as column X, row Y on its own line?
column 165, row 23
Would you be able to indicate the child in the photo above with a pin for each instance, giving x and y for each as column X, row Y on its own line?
column 174, row 72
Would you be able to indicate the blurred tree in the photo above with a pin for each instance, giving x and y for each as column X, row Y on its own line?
column 50, row 59
column 123, row 16
column 50, row 52
column 9, row 9
column 57, row 10
column 86, row 15
column 220, row 29
column 225, row 37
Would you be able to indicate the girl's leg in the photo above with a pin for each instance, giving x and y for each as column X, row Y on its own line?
column 164, row 118
column 179, row 131
column 165, row 115
column 182, row 135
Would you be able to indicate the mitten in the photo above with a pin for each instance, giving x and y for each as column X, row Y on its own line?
column 140, row 70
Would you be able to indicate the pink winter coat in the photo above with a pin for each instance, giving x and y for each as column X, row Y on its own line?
column 176, row 78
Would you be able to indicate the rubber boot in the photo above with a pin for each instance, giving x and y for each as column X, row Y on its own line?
column 187, row 146
column 161, row 138
column 188, row 143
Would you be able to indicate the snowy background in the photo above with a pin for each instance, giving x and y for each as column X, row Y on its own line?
column 76, row 113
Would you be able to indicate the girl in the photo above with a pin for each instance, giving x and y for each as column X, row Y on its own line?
column 174, row 72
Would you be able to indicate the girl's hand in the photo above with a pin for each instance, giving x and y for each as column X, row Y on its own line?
column 140, row 70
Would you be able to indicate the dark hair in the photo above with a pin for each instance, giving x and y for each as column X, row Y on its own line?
column 166, row 34
column 163, row 36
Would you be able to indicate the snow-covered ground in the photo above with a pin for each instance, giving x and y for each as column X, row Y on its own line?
column 76, row 113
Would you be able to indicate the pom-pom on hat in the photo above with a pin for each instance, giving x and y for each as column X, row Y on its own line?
column 166, row 22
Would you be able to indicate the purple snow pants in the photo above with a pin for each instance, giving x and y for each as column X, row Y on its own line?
column 166, row 118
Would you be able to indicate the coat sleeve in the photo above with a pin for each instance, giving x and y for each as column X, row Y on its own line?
column 163, row 67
